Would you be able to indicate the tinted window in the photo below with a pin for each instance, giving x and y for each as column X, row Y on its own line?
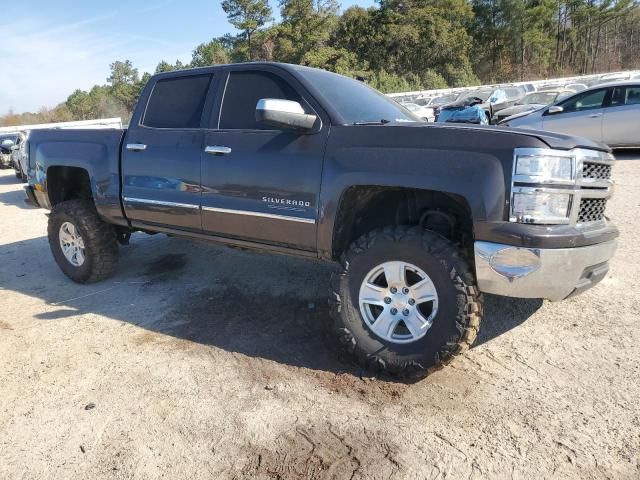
column 243, row 91
column 354, row 101
column 177, row 102
column 625, row 96
column 585, row 101
column 633, row 96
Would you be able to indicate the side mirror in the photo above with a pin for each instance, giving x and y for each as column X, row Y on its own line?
column 283, row 114
column 553, row 109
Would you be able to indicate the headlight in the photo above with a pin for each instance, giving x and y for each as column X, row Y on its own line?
column 544, row 166
column 535, row 205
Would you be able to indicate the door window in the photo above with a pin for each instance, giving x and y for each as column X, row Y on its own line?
column 244, row 89
column 585, row 101
column 177, row 102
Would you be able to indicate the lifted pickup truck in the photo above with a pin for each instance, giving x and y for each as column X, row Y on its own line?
column 420, row 217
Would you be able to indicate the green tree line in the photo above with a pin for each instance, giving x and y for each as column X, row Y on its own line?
column 398, row 45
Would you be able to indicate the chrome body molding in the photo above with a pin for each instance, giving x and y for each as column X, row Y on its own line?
column 553, row 273
column 259, row 214
column 136, row 147
column 159, row 202
column 220, row 210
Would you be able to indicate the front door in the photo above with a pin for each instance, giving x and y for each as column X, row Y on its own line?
column 261, row 184
column 581, row 116
column 161, row 156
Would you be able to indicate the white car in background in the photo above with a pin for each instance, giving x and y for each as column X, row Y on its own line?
column 576, row 87
column 607, row 113
column 426, row 113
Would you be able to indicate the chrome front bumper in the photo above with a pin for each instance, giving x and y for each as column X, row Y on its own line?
column 554, row 274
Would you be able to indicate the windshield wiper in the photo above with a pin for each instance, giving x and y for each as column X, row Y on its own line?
column 382, row 121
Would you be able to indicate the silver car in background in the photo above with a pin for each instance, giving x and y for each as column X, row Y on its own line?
column 607, row 113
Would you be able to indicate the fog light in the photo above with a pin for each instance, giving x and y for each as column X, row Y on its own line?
column 514, row 262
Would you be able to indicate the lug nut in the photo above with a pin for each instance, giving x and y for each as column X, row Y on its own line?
column 405, row 312
column 405, row 290
column 387, row 300
column 394, row 311
column 394, row 290
column 412, row 301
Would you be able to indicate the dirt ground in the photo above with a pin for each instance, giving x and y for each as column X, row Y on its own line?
column 196, row 361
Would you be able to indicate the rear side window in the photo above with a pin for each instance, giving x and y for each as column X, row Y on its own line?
column 177, row 102
column 632, row 96
column 243, row 91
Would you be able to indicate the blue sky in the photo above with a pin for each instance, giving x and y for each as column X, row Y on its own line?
column 51, row 47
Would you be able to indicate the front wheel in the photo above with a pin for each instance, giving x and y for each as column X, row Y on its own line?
column 83, row 245
column 404, row 301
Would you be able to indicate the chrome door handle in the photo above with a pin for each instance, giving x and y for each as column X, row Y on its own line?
column 595, row 115
column 136, row 147
column 217, row 150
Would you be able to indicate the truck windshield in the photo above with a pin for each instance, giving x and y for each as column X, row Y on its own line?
column 355, row 101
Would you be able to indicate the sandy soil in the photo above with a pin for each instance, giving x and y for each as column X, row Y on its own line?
column 196, row 361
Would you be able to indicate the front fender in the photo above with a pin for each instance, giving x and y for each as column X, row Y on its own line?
column 471, row 163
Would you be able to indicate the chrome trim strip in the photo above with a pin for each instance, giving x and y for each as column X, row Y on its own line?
column 136, row 147
column 217, row 150
column 259, row 214
column 159, row 202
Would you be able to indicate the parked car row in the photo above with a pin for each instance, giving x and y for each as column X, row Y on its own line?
column 608, row 113
column 500, row 97
column 10, row 145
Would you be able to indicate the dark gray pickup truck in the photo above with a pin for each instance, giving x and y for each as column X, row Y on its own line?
column 420, row 217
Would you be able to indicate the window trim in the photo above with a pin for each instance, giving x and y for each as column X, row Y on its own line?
column 212, row 81
column 214, row 123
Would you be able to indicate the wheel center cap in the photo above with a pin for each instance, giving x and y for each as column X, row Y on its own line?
column 399, row 301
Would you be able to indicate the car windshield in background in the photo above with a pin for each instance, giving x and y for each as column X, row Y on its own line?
column 542, row 98
column 444, row 99
column 12, row 138
column 354, row 101
column 481, row 94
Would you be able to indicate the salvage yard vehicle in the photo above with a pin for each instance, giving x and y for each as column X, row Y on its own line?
column 467, row 110
column 8, row 143
column 607, row 113
column 18, row 157
column 533, row 101
column 419, row 217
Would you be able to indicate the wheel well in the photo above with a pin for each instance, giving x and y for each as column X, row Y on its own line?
column 67, row 183
column 365, row 208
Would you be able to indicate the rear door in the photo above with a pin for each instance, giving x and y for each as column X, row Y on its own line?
column 621, row 124
column 161, row 155
column 582, row 115
column 265, row 186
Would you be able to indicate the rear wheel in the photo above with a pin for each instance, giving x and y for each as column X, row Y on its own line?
column 83, row 245
column 404, row 301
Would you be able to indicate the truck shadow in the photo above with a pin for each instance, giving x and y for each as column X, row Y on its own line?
column 258, row 305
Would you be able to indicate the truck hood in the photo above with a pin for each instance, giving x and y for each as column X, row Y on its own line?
column 552, row 139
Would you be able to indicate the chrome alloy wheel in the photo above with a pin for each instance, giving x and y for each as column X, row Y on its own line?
column 398, row 302
column 72, row 244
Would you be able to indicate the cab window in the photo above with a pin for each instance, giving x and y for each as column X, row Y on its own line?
column 244, row 89
column 177, row 102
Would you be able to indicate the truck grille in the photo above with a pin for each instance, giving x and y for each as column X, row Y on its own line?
column 596, row 171
column 591, row 209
